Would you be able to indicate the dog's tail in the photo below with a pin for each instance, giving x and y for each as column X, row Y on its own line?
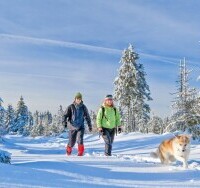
column 154, row 154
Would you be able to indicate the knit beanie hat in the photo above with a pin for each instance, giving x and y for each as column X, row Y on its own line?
column 78, row 96
column 109, row 97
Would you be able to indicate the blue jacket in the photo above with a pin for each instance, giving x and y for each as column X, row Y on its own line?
column 75, row 116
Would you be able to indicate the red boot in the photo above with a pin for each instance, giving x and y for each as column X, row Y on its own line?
column 80, row 149
column 69, row 150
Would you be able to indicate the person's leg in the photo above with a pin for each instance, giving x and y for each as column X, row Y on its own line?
column 80, row 136
column 72, row 141
column 112, row 134
column 108, row 142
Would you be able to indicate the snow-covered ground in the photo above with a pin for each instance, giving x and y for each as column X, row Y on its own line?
column 41, row 162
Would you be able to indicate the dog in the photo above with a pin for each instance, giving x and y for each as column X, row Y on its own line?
column 176, row 148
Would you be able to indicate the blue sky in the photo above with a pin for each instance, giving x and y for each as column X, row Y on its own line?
column 51, row 49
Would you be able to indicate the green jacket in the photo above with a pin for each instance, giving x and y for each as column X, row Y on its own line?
column 110, row 120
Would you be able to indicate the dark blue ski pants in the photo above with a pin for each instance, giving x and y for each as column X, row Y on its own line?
column 75, row 135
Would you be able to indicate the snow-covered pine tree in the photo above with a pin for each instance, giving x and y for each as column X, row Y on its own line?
column 5, row 157
column 93, row 117
column 194, row 123
column 42, row 128
column 29, row 126
column 2, row 118
column 10, row 119
column 184, row 116
column 131, row 91
column 166, row 122
column 125, row 91
column 36, row 118
column 60, row 119
column 142, row 109
column 21, row 116
column 155, row 125
column 42, row 124
column 30, row 119
column 1, row 101
column 48, row 117
column 54, row 127
column 38, row 130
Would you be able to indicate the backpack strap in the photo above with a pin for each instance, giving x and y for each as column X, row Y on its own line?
column 103, row 114
column 103, row 111
column 115, row 110
column 115, row 119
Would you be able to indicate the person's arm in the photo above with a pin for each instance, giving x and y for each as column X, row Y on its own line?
column 118, row 118
column 118, row 122
column 87, row 117
column 66, row 116
column 99, row 118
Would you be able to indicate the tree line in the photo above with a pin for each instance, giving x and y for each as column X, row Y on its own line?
column 131, row 93
column 22, row 121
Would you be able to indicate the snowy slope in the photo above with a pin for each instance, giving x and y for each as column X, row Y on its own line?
column 41, row 162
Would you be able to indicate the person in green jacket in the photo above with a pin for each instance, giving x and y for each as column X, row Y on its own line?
column 108, row 122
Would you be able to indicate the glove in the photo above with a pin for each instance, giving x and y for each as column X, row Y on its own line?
column 100, row 131
column 119, row 130
column 64, row 124
column 90, row 129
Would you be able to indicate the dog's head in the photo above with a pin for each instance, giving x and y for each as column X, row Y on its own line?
column 182, row 142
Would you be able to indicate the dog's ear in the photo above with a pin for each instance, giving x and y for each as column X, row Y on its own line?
column 189, row 136
column 176, row 135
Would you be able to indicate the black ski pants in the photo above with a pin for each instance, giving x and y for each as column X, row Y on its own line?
column 108, row 136
column 75, row 135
